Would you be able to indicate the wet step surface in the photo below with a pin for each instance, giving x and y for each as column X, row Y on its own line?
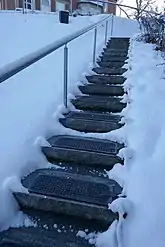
column 82, row 150
column 111, row 64
column 105, row 79
column 68, row 202
column 52, row 231
column 109, row 71
column 107, row 90
column 71, row 194
column 91, row 122
column 111, row 57
column 99, row 103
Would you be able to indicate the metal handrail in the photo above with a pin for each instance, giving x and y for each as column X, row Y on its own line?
column 15, row 67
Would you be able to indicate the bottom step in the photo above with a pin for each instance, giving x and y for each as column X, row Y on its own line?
column 52, row 231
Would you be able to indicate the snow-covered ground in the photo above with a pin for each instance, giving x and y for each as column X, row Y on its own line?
column 142, row 176
column 29, row 99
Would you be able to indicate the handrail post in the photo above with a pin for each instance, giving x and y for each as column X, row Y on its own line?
column 65, row 75
column 112, row 24
column 94, row 45
column 106, row 31
column 23, row 6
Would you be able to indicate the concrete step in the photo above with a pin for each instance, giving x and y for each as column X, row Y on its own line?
column 116, row 53
column 77, row 168
column 104, row 79
column 98, row 104
column 111, row 64
column 114, row 45
column 107, row 90
column 68, row 194
column 84, row 151
column 118, row 41
column 91, row 122
column 113, row 58
column 115, row 49
column 109, row 71
column 51, row 231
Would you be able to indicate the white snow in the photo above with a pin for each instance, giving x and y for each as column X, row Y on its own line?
column 143, row 173
column 29, row 100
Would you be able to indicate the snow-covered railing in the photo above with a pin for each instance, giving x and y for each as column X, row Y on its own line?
column 20, row 64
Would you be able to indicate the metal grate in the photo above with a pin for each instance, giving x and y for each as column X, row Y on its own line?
column 94, row 116
column 86, row 144
column 71, row 189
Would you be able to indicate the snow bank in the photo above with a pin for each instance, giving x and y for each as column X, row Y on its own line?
column 142, row 176
column 29, row 99
column 145, row 182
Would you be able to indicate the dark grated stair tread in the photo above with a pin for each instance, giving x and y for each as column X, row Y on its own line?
column 69, row 194
column 107, row 90
column 112, row 58
column 105, row 79
column 51, row 231
column 91, row 122
column 98, row 103
column 109, row 71
column 79, row 169
column 114, row 64
column 84, row 151
column 116, row 49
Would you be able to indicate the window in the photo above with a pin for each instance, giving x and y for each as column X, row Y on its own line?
column 28, row 4
column 45, row 2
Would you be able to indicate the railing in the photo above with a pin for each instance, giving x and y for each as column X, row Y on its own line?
column 14, row 68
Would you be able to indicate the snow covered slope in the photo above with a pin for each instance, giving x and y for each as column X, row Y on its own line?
column 29, row 99
column 143, row 174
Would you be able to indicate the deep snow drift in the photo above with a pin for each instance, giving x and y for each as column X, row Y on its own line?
column 28, row 100
column 143, row 173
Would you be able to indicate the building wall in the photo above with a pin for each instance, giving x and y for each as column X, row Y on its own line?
column 7, row 4
column 89, row 8
column 112, row 8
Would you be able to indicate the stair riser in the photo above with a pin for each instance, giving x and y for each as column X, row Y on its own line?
column 64, row 207
column 100, row 106
column 89, row 126
column 112, row 58
column 107, row 91
column 114, row 53
column 117, row 49
column 106, row 79
column 109, row 71
column 111, row 64
column 81, row 157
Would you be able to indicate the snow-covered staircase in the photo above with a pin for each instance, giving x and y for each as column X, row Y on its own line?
column 71, row 202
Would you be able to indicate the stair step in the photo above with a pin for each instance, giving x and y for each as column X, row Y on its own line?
column 113, row 64
column 117, row 45
column 107, row 90
column 84, row 151
column 115, row 53
column 109, row 71
column 51, row 231
column 98, row 103
column 112, row 58
column 80, row 169
column 69, row 194
column 104, row 79
column 91, row 122
column 115, row 49
column 118, row 41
